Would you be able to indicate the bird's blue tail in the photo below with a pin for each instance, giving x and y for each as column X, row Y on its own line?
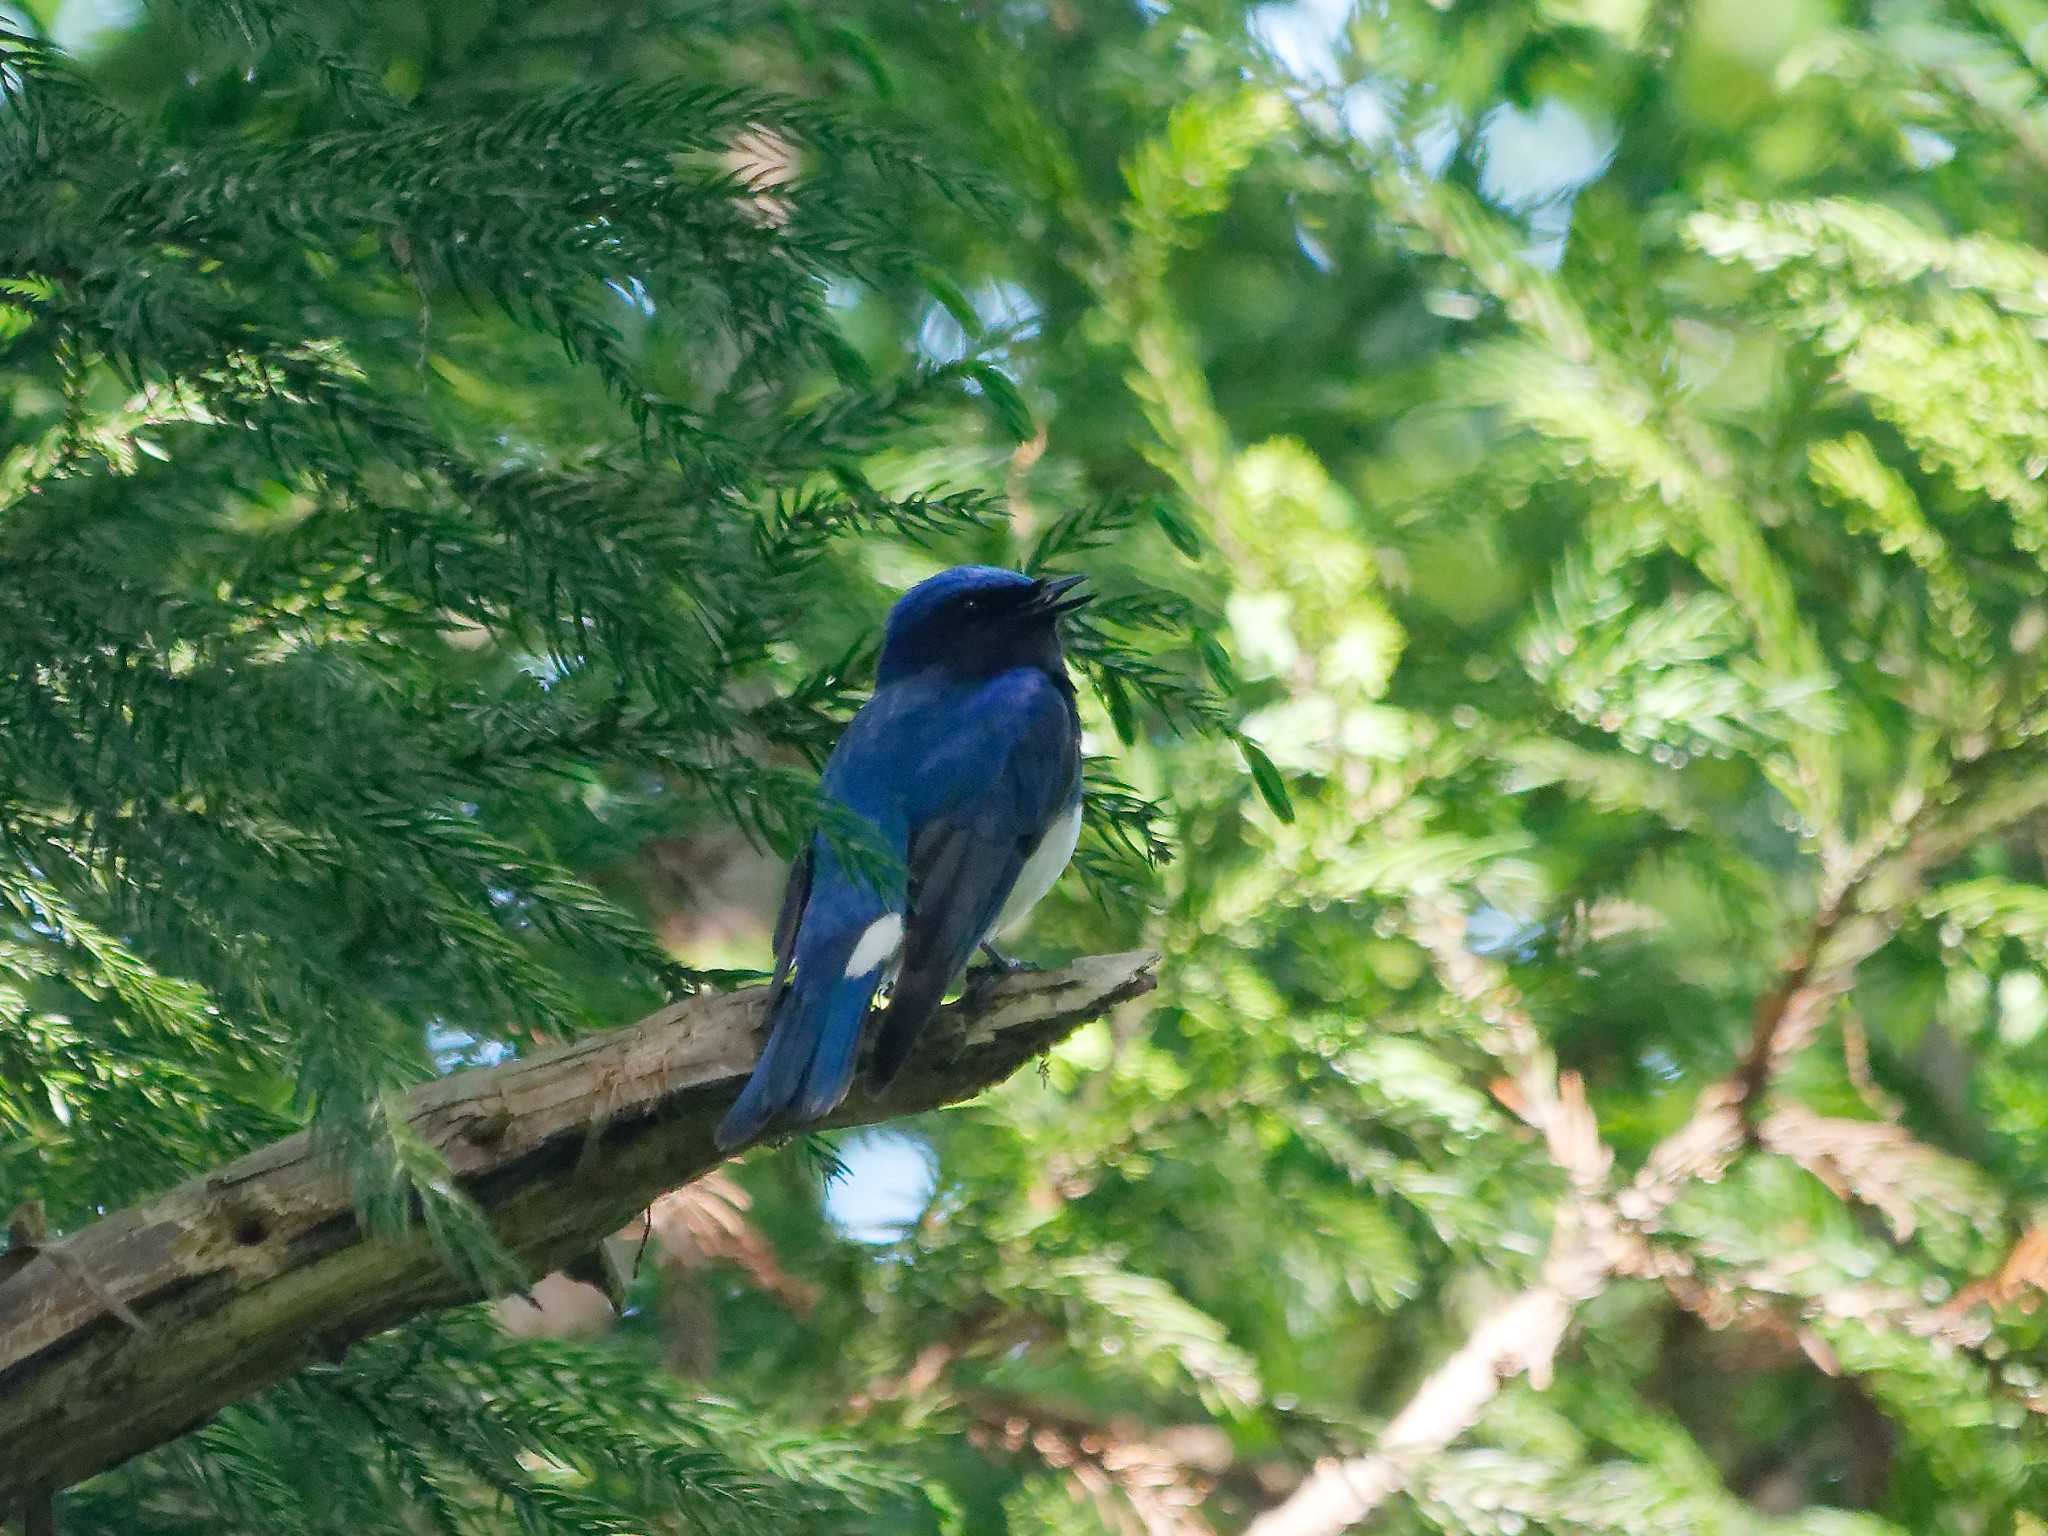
column 809, row 1062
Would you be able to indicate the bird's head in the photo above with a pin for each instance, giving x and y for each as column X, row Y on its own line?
column 978, row 618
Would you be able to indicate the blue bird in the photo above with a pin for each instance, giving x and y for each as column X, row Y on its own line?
column 967, row 764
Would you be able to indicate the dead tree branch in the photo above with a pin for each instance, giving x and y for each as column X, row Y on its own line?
column 144, row 1324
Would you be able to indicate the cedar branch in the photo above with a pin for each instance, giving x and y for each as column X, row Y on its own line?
column 1599, row 1236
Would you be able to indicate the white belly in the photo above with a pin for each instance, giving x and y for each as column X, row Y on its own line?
column 1044, row 866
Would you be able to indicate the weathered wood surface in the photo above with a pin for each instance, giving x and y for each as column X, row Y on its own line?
column 144, row 1324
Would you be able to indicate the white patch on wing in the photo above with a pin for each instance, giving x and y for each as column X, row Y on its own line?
column 878, row 945
column 1045, row 865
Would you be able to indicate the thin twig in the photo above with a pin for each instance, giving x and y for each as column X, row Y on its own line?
column 1598, row 1236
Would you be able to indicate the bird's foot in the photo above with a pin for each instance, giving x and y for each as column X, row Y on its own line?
column 980, row 978
column 1006, row 965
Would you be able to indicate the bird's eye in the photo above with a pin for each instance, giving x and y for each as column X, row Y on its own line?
column 972, row 606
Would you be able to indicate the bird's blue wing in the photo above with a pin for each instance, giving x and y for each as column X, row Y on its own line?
column 1009, row 769
column 817, row 1001
column 825, row 982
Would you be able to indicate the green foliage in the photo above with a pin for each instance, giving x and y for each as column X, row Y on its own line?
column 465, row 1431
column 1565, row 488
column 432, row 473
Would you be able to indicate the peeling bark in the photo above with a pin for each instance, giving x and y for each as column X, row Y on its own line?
column 146, row 1323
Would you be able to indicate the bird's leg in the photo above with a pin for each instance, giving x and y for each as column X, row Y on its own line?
column 1007, row 965
column 980, row 978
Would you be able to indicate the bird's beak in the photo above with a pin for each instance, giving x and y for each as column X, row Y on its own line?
column 1052, row 590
